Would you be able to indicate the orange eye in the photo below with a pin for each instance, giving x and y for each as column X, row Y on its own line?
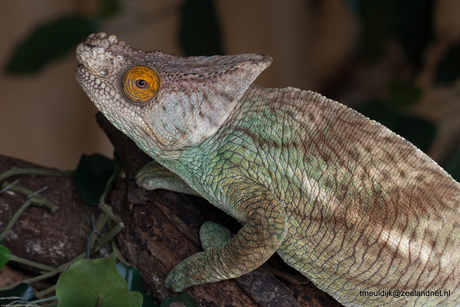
column 141, row 83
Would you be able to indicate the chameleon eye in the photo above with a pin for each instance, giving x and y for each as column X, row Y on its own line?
column 141, row 83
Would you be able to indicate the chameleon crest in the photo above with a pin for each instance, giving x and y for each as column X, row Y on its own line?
column 351, row 205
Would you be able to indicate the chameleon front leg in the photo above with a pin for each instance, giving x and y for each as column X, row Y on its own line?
column 259, row 238
column 155, row 176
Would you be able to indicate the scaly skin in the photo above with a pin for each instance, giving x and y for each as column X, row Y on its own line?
column 342, row 199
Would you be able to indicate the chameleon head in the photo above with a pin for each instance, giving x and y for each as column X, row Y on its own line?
column 163, row 102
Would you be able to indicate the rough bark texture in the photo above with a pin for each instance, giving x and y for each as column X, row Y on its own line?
column 38, row 235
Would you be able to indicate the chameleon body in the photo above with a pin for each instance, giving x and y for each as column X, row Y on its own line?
column 342, row 199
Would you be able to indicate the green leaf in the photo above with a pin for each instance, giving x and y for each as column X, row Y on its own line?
column 200, row 28
column 354, row 5
column 22, row 290
column 109, row 9
column 133, row 278
column 376, row 16
column 409, row 21
column 92, row 175
column 453, row 165
column 403, row 94
column 449, row 67
column 117, row 168
column 379, row 111
column 413, row 28
column 183, row 298
column 418, row 131
column 48, row 42
column 5, row 255
column 88, row 282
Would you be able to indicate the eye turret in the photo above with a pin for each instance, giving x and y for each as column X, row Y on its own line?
column 141, row 83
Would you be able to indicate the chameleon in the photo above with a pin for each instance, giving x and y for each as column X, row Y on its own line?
column 358, row 210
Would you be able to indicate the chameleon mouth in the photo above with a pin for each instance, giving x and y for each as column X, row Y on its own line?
column 87, row 82
column 83, row 77
column 80, row 74
column 80, row 71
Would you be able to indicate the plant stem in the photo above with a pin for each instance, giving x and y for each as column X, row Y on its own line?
column 45, row 292
column 37, row 265
column 14, row 218
column 33, row 172
column 46, row 299
column 36, row 199
column 58, row 270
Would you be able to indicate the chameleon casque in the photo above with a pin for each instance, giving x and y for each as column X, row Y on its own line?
column 341, row 198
